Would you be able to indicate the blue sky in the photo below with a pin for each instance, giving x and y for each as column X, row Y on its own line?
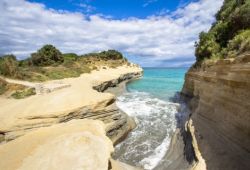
column 118, row 9
column 152, row 33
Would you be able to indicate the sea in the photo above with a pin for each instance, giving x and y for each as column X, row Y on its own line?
column 151, row 101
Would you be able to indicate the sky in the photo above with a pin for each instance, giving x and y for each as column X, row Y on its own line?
column 152, row 33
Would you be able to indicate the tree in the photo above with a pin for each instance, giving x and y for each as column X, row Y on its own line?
column 46, row 56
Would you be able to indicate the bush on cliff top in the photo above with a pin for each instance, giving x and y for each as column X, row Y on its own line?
column 49, row 63
column 8, row 65
column 231, row 27
column 106, row 55
column 46, row 56
column 239, row 44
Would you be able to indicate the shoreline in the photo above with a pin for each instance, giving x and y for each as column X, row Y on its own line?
column 174, row 157
column 117, row 91
column 101, row 125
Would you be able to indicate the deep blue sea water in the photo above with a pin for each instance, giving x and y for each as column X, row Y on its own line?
column 148, row 101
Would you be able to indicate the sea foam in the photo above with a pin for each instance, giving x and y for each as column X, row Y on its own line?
column 148, row 143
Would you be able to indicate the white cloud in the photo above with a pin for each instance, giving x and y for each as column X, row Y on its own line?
column 148, row 2
column 86, row 7
column 26, row 26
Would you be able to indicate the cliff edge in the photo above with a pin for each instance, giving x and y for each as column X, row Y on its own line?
column 217, row 91
column 73, row 127
column 218, row 95
column 81, row 99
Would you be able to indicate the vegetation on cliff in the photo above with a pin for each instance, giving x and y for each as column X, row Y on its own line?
column 46, row 56
column 229, row 36
column 49, row 63
column 16, row 91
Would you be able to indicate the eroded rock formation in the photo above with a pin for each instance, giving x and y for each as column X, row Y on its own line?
column 77, row 144
column 218, row 95
column 20, row 117
column 77, row 134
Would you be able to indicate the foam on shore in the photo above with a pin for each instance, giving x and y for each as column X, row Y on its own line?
column 148, row 143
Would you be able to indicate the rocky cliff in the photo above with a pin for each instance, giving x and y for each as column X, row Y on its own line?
column 119, row 124
column 78, row 101
column 77, row 144
column 71, row 128
column 218, row 96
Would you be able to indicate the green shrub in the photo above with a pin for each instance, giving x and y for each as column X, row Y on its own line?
column 49, row 63
column 20, row 94
column 8, row 65
column 25, row 63
column 46, row 56
column 225, row 38
column 70, row 56
column 111, row 55
column 226, row 9
column 105, row 55
column 239, row 44
column 221, row 32
column 240, row 17
column 206, row 47
column 70, row 60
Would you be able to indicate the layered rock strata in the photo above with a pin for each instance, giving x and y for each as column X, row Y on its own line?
column 78, row 101
column 77, row 144
column 218, row 96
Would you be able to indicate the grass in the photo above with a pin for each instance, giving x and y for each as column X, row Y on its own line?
column 20, row 94
column 67, row 69
column 15, row 91
column 54, row 72
column 70, row 65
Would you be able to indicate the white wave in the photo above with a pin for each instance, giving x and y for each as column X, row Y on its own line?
column 153, row 160
column 141, row 103
column 149, row 142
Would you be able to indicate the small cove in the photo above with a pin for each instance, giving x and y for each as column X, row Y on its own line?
column 149, row 101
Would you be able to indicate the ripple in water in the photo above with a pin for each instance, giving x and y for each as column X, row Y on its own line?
column 146, row 145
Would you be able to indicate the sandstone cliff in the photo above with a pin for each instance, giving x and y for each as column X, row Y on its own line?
column 218, row 95
column 77, row 101
column 56, row 130
column 78, row 144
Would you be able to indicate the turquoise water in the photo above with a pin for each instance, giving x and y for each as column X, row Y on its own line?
column 148, row 101
column 160, row 82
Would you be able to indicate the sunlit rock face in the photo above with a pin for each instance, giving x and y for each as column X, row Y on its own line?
column 83, row 99
column 78, row 144
column 219, row 98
